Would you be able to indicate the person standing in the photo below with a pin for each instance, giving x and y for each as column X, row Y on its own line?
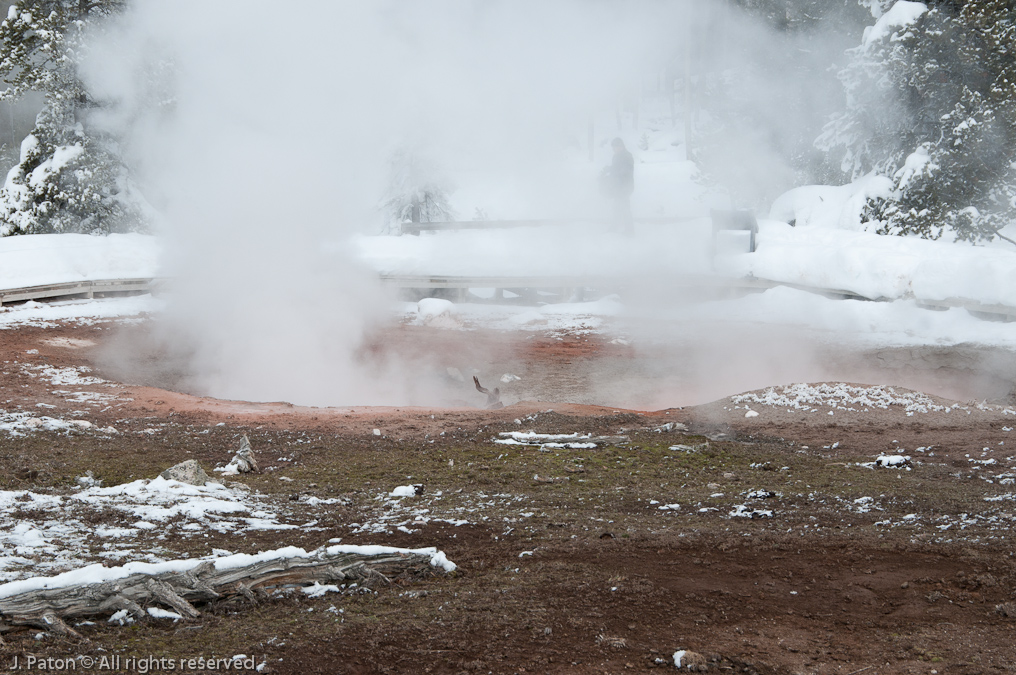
column 620, row 184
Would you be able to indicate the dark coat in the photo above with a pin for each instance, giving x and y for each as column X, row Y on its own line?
column 622, row 173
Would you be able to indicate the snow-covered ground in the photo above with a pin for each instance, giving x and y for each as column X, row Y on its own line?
column 879, row 267
column 47, row 532
column 82, row 312
column 34, row 260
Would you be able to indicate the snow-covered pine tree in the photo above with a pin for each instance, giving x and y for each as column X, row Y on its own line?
column 802, row 15
column 416, row 191
column 930, row 104
column 70, row 177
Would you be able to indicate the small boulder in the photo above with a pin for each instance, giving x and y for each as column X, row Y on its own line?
column 189, row 472
column 88, row 480
column 243, row 461
column 686, row 659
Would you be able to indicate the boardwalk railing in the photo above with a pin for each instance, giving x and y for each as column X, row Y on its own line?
column 84, row 289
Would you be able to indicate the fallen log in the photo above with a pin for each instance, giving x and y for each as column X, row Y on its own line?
column 47, row 602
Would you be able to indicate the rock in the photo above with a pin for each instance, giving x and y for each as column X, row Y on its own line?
column 688, row 660
column 189, row 472
column 243, row 461
column 88, row 480
column 1006, row 609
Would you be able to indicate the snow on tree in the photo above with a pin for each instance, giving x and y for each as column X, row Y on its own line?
column 877, row 7
column 70, row 176
column 930, row 104
column 417, row 191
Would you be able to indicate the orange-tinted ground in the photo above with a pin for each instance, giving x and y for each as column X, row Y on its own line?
column 611, row 582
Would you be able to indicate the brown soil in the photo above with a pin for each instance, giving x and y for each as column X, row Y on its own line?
column 612, row 584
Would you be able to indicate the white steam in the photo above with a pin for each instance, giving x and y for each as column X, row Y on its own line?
column 263, row 131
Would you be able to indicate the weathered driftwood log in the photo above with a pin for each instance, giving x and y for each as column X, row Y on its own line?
column 48, row 608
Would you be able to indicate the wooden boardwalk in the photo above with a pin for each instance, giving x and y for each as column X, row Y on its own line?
column 78, row 289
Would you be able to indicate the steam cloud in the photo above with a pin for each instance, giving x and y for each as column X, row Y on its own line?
column 261, row 132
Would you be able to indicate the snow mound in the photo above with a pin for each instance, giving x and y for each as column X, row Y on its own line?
column 851, row 398
column 877, row 266
column 437, row 313
column 829, row 206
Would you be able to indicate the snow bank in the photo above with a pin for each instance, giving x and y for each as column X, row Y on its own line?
column 829, row 206
column 898, row 323
column 879, row 267
column 37, row 259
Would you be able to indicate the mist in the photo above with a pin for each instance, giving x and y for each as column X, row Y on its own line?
column 261, row 134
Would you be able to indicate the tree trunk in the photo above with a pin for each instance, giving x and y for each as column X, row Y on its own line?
column 49, row 608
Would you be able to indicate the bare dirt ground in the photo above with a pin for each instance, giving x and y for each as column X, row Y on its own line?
column 766, row 543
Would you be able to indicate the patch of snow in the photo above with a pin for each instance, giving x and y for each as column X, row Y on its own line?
column 573, row 441
column 159, row 613
column 893, row 461
column 82, row 312
column 841, row 396
column 319, row 589
column 742, row 511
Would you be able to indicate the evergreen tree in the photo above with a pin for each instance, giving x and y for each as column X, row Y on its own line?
column 417, row 192
column 748, row 60
column 70, row 177
column 930, row 104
